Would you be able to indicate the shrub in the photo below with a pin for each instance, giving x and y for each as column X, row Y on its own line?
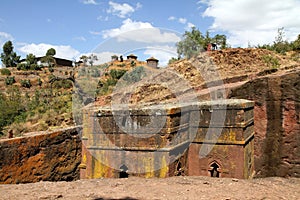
column 135, row 75
column 51, row 76
column 40, row 82
column 35, row 67
column 105, row 87
column 51, row 69
column 104, row 66
column 26, row 83
column 10, row 80
column 95, row 73
column 5, row 72
column 65, row 84
column 121, row 65
column 81, row 72
column 117, row 74
column 271, row 61
column 132, row 64
column 23, row 66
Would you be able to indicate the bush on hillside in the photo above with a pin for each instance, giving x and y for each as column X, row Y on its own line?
column 5, row 71
column 10, row 80
column 26, row 83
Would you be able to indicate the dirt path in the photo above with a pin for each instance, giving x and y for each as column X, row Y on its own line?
column 169, row 188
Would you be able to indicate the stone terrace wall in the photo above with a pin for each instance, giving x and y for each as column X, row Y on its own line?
column 42, row 156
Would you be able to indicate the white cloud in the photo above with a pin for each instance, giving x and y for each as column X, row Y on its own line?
column 190, row 25
column 138, row 6
column 254, row 21
column 172, row 18
column 140, row 32
column 95, row 33
column 182, row 20
column 62, row 51
column 162, row 53
column 120, row 10
column 101, row 18
column 4, row 37
column 80, row 38
column 93, row 2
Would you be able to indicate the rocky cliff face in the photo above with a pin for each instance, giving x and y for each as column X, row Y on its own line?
column 277, row 122
column 42, row 156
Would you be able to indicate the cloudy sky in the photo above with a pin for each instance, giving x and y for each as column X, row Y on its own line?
column 146, row 28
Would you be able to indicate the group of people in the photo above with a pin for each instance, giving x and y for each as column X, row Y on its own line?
column 212, row 47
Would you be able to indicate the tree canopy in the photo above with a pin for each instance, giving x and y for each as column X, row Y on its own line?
column 9, row 58
column 48, row 58
column 194, row 42
column 281, row 45
column 51, row 52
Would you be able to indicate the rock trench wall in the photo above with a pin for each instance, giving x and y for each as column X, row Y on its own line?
column 277, row 122
column 53, row 156
column 56, row 156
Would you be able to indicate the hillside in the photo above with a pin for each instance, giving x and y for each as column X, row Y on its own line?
column 46, row 103
column 32, row 101
column 190, row 78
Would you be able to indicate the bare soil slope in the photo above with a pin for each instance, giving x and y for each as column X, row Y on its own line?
column 209, row 69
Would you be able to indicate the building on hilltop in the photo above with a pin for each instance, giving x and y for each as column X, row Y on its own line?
column 132, row 57
column 152, row 62
column 57, row 61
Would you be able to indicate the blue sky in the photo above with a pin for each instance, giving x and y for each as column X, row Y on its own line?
column 144, row 27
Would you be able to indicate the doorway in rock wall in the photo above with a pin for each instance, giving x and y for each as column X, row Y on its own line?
column 214, row 170
column 123, row 172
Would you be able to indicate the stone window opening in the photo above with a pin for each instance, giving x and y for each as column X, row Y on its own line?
column 123, row 172
column 214, row 170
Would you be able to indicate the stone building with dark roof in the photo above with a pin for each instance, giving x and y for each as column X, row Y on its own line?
column 152, row 62
column 132, row 57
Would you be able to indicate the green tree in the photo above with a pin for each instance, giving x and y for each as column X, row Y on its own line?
column 280, row 45
column 296, row 44
column 92, row 58
column 48, row 58
column 9, row 58
column 30, row 59
column 194, row 42
column 84, row 59
column 51, row 52
column 220, row 40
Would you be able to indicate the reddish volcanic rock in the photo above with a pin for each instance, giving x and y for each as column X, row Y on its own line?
column 42, row 156
column 277, row 122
